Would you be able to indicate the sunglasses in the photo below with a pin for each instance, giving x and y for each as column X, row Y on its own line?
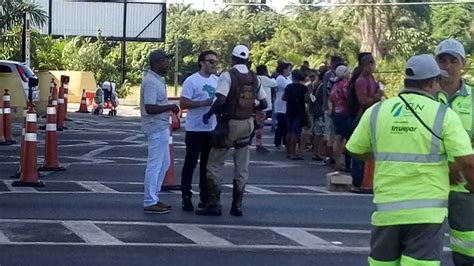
column 212, row 61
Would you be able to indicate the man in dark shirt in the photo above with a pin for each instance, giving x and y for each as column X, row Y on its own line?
column 296, row 95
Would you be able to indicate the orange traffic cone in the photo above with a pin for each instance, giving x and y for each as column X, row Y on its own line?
column 368, row 181
column 61, row 114
column 7, row 119
column 29, row 173
column 3, row 141
column 169, row 183
column 65, row 85
column 22, row 146
column 51, row 162
column 83, row 107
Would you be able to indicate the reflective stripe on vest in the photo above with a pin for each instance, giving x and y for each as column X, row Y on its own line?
column 411, row 204
column 433, row 157
column 465, row 244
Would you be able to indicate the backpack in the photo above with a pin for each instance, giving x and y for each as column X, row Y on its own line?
column 352, row 100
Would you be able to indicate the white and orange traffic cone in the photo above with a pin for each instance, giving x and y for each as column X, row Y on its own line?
column 65, row 85
column 22, row 146
column 3, row 141
column 51, row 162
column 7, row 119
column 29, row 174
column 169, row 183
column 61, row 114
column 83, row 107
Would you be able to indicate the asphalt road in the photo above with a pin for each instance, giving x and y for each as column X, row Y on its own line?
column 92, row 213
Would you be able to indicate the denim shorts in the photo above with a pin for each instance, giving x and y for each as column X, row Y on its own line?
column 295, row 125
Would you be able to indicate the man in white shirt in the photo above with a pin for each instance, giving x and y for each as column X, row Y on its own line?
column 237, row 90
column 197, row 96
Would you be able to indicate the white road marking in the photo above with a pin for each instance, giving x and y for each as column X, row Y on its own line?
column 132, row 138
column 256, row 190
column 90, row 233
column 302, row 237
column 199, row 235
column 8, row 184
column 97, row 151
column 96, row 187
column 4, row 239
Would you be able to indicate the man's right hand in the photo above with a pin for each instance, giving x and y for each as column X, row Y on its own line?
column 207, row 102
column 205, row 118
column 174, row 108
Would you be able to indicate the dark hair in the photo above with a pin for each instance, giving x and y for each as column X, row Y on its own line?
column 282, row 67
column 240, row 61
column 305, row 62
column 419, row 84
column 352, row 100
column 262, row 70
column 202, row 56
column 362, row 55
column 336, row 60
column 366, row 59
column 304, row 68
column 297, row 75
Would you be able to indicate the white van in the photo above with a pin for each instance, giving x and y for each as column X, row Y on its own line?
column 24, row 73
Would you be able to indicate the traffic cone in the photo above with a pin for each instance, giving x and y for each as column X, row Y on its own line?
column 65, row 84
column 53, row 94
column 22, row 146
column 7, row 119
column 51, row 162
column 61, row 112
column 29, row 173
column 368, row 181
column 3, row 141
column 83, row 107
column 169, row 183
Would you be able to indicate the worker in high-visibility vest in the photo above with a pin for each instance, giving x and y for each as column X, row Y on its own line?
column 410, row 137
column 451, row 57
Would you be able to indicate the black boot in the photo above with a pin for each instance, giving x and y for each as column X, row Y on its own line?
column 187, row 204
column 210, row 210
column 237, row 196
column 213, row 206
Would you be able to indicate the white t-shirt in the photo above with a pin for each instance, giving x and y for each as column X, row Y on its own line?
column 280, row 105
column 223, row 83
column 199, row 88
column 267, row 85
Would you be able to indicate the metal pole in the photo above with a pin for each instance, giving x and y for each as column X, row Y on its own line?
column 124, row 57
column 176, row 67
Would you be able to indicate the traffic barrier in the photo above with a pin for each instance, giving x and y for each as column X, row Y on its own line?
column 29, row 174
column 338, row 182
column 51, row 162
column 169, row 183
column 61, row 113
column 7, row 119
column 83, row 106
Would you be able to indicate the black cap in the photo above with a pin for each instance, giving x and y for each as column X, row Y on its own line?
column 158, row 54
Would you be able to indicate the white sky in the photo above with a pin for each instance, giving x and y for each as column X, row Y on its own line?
column 211, row 5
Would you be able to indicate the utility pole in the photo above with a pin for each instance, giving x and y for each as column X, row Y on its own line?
column 26, row 39
column 176, row 66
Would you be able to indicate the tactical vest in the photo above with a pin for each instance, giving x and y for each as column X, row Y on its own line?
column 240, row 101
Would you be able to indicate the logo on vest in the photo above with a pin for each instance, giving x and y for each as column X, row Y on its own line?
column 402, row 129
column 399, row 107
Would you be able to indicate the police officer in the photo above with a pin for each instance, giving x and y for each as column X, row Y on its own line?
column 410, row 138
column 451, row 57
column 236, row 92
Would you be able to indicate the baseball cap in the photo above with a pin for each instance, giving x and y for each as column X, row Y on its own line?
column 241, row 51
column 341, row 71
column 452, row 47
column 420, row 67
column 157, row 55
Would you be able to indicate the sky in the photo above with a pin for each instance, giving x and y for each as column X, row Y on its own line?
column 213, row 5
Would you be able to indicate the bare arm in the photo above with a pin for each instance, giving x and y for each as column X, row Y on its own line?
column 215, row 107
column 186, row 103
column 467, row 165
column 154, row 109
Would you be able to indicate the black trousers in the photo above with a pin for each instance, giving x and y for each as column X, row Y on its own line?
column 197, row 143
column 281, row 130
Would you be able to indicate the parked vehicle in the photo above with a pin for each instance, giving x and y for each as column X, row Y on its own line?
column 23, row 72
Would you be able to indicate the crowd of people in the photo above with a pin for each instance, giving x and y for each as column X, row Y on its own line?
column 420, row 140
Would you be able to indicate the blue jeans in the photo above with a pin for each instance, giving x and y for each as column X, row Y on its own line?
column 156, row 166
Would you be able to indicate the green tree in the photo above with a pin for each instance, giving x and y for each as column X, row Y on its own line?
column 11, row 14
